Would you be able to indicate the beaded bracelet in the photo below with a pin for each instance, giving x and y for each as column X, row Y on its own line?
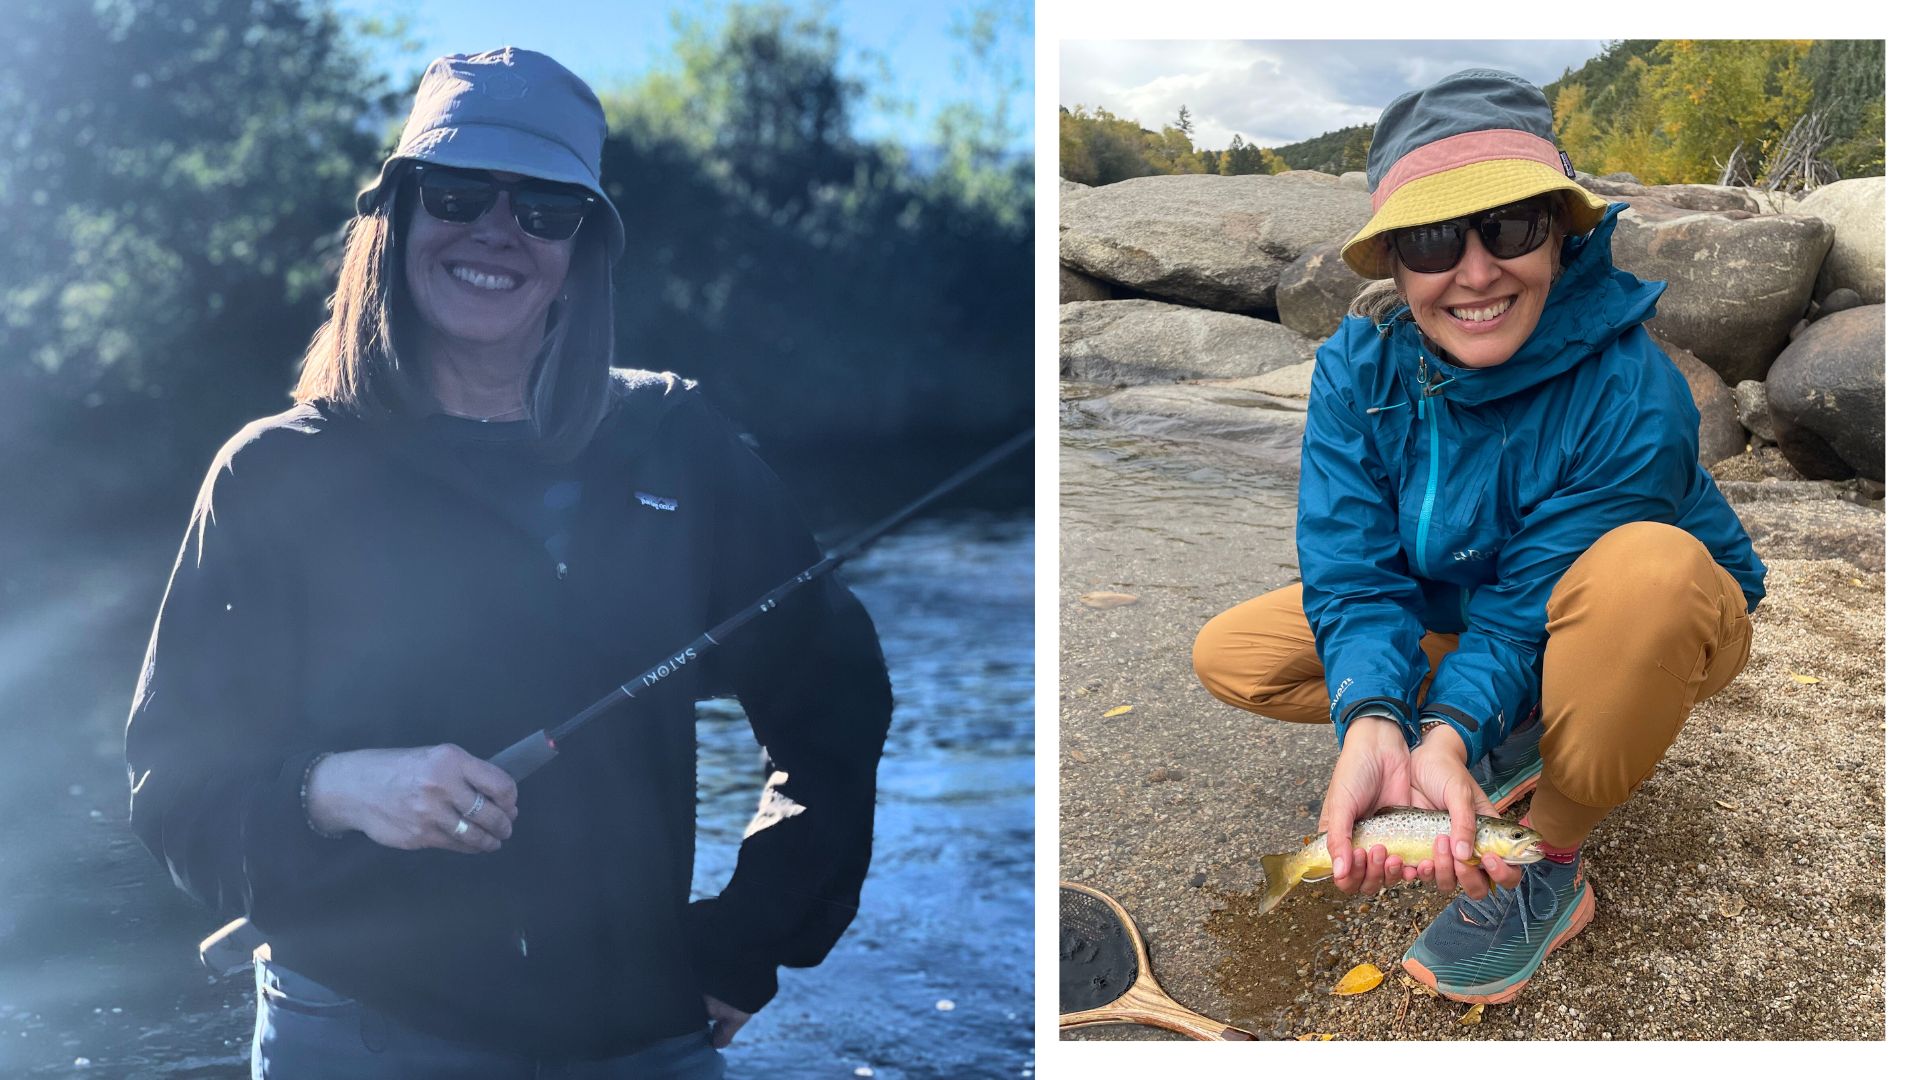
column 306, row 810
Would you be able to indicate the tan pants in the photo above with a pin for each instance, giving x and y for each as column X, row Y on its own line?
column 1640, row 627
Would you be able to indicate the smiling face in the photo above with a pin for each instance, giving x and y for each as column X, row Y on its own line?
column 1483, row 309
column 487, row 283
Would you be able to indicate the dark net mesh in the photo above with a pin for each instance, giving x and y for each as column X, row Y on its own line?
column 1097, row 961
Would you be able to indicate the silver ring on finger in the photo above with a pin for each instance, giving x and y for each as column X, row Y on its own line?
column 461, row 829
column 478, row 802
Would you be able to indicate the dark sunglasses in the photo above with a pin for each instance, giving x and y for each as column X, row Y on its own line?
column 544, row 209
column 1507, row 232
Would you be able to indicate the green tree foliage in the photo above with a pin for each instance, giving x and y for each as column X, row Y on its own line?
column 817, row 284
column 1716, row 97
column 1333, row 152
column 1676, row 111
column 1850, row 93
column 1100, row 148
column 176, row 175
column 1242, row 159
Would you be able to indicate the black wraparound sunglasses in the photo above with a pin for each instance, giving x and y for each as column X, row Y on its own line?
column 545, row 210
column 1507, row 232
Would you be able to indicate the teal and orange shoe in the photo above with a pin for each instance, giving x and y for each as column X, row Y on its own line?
column 1486, row 950
column 1509, row 771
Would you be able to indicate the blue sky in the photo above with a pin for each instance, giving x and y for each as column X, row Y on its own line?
column 609, row 41
column 1277, row 92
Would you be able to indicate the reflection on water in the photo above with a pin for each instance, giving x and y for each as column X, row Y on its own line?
column 98, row 974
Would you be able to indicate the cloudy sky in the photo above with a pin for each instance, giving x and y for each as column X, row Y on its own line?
column 1277, row 92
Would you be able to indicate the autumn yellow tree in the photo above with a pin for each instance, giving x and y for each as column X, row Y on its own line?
column 1577, row 129
column 1716, row 98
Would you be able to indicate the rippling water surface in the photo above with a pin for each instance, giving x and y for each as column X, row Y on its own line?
column 98, row 974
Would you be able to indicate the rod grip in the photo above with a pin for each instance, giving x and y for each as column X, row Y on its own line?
column 229, row 950
column 523, row 757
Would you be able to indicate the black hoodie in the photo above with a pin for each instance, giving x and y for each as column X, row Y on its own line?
column 345, row 585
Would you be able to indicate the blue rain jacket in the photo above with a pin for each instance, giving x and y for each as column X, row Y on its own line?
column 1435, row 497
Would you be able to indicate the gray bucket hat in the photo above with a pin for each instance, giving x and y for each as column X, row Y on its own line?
column 511, row 110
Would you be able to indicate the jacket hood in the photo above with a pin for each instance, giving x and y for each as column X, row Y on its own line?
column 1591, row 305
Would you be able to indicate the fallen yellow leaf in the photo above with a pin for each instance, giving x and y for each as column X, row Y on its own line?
column 1107, row 599
column 1799, row 678
column 1857, row 583
column 1117, row 710
column 1314, row 1036
column 1726, row 804
column 1361, row 979
column 1473, row 1014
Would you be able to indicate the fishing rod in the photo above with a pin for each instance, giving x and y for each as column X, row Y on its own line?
column 231, row 948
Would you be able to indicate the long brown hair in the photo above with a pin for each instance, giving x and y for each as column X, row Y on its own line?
column 357, row 359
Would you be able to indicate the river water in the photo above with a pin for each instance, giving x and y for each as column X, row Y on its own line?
column 98, row 974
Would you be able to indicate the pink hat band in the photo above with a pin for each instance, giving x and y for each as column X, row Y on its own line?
column 1466, row 148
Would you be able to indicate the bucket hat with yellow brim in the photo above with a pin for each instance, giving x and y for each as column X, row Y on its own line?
column 1474, row 140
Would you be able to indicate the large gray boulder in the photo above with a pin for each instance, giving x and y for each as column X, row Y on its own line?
column 1218, row 242
column 1721, row 435
column 1354, row 180
column 1736, row 283
column 1828, row 396
column 1242, row 420
column 1076, row 286
column 1135, row 341
column 1315, row 289
column 1857, row 210
column 1071, row 190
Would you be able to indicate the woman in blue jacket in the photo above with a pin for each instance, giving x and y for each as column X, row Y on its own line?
column 1516, row 575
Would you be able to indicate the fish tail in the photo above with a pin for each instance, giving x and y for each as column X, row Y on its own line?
column 1283, row 873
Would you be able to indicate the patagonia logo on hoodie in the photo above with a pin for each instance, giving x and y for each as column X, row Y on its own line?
column 656, row 502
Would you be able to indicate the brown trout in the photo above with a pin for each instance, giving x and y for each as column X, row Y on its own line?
column 1403, row 831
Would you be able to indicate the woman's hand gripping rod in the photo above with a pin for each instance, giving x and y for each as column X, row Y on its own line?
column 231, row 948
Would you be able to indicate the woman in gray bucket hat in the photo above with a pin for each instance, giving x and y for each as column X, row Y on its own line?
column 471, row 526
column 1516, row 577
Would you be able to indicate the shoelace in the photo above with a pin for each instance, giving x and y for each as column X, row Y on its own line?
column 1538, row 902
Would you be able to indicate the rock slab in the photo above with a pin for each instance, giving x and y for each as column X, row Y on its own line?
column 1217, row 242
column 1241, row 420
column 1076, row 287
column 1139, row 341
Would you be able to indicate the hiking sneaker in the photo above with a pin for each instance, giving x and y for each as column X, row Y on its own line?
column 1509, row 771
column 1486, row 950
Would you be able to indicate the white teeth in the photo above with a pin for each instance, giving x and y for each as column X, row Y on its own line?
column 485, row 281
column 1481, row 314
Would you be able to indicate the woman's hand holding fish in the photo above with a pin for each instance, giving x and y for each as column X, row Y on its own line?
column 1373, row 771
column 1440, row 781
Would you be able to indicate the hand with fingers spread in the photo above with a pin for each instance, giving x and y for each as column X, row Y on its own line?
column 421, row 797
column 1372, row 772
column 1440, row 781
